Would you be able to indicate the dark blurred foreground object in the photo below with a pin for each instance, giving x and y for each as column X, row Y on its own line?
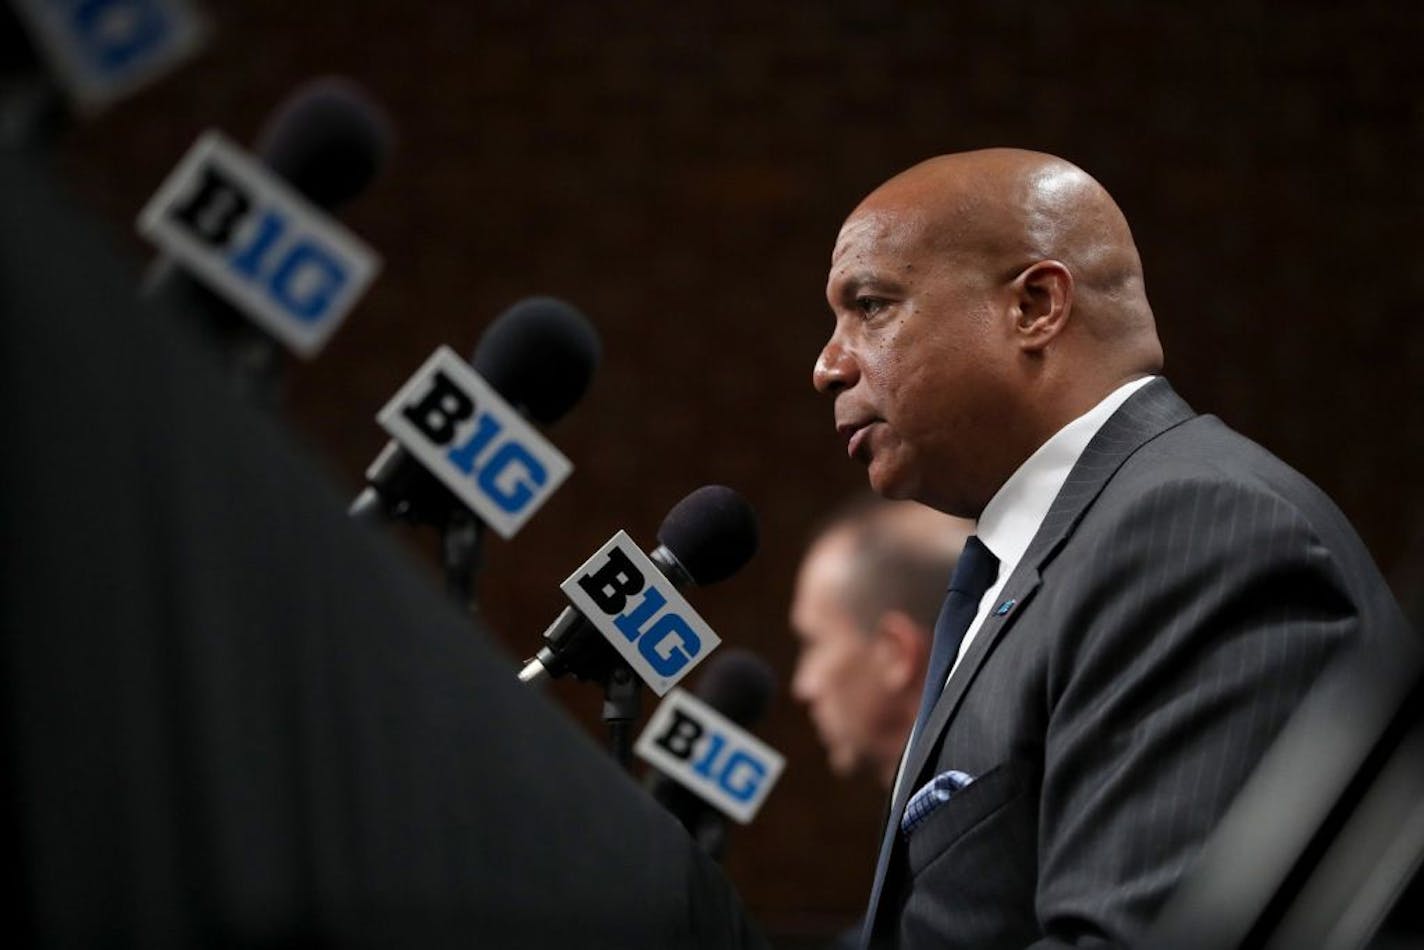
column 32, row 107
column 1323, row 846
column 233, row 718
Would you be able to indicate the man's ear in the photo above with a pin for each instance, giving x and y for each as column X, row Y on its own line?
column 1043, row 301
column 903, row 648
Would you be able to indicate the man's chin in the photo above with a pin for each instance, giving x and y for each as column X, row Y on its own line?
column 887, row 481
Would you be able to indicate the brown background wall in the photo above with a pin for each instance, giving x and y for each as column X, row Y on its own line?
column 680, row 170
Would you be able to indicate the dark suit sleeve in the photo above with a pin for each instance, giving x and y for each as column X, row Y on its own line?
column 1212, row 608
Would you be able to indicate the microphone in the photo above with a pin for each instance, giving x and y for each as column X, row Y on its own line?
column 705, row 538
column 738, row 684
column 328, row 141
column 539, row 355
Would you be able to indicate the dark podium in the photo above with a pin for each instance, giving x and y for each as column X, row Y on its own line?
column 234, row 718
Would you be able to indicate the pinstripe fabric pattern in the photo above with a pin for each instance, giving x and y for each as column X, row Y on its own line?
column 1183, row 592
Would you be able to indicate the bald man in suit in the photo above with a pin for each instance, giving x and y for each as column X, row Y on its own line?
column 1151, row 594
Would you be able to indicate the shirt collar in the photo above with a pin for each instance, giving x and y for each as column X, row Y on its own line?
column 1013, row 516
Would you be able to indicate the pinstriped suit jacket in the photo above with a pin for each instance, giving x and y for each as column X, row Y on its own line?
column 1183, row 592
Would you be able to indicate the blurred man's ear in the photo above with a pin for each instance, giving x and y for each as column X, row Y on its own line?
column 902, row 648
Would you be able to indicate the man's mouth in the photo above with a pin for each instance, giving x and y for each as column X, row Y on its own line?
column 856, row 434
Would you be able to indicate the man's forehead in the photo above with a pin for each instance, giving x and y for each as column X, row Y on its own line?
column 830, row 555
column 875, row 246
column 867, row 231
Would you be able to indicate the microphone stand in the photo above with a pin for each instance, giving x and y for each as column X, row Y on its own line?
column 414, row 496
column 250, row 360
column 462, row 538
column 589, row 658
column 622, row 701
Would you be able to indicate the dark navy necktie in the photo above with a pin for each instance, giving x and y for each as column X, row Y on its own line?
column 973, row 575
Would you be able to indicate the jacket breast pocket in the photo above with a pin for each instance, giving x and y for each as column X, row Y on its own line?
column 973, row 866
column 1004, row 788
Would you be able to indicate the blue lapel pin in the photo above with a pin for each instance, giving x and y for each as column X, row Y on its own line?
column 1004, row 608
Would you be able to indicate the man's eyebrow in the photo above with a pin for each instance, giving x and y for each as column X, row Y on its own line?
column 848, row 285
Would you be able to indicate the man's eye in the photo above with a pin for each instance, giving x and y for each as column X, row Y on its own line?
column 869, row 306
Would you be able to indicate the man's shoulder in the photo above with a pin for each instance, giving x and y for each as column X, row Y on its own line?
column 1203, row 457
column 1202, row 493
column 1157, row 436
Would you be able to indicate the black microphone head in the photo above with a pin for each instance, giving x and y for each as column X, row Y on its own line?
column 712, row 533
column 327, row 139
column 738, row 684
column 539, row 355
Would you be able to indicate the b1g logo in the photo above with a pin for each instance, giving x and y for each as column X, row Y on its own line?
column 285, row 263
column 622, row 593
column 719, row 761
column 477, row 444
column 103, row 49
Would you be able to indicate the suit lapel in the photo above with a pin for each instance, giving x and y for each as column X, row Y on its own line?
column 1148, row 413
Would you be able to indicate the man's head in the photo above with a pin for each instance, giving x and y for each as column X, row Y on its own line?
column 982, row 301
column 864, row 610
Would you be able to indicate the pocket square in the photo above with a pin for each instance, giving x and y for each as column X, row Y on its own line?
column 935, row 793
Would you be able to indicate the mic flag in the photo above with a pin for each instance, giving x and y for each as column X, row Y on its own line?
column 104, row 50
column 637, row 609
column 738, row 684
column 253, row 238
column 725, row 765
column 475, row 442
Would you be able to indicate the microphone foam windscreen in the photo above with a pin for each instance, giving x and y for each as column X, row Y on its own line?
column 712, row 532
column 738, row 684
column 327, row 139
column 539, row 355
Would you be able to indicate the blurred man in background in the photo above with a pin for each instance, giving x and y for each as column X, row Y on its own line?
column 864, row 610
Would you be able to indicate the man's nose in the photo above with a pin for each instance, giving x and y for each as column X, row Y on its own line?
column 835, row 369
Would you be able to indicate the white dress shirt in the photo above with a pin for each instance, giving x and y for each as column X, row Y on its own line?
column 1015, row 513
